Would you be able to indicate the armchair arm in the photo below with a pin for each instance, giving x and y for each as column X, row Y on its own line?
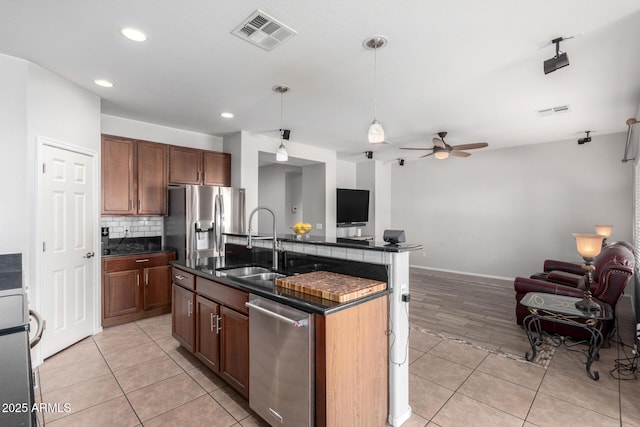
column 568, row 279
column 523, row 285
column 568, row 267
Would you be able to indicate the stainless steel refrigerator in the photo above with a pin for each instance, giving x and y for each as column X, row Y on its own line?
column 198, row 215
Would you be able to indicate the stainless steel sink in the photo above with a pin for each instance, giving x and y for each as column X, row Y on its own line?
column 244, row 271
column 263, row 276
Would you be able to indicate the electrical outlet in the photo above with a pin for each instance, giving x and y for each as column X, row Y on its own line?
column 318, row 226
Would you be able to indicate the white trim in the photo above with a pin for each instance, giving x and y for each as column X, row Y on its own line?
column 41, row 142
column 464, row 273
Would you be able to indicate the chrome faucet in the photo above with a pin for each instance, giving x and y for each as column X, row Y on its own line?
column 275, row 236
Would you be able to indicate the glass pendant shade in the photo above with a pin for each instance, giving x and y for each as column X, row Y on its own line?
column 281, row 154
column 441, row 155
column 589, row 245
column 376, row 132
column 604, row 230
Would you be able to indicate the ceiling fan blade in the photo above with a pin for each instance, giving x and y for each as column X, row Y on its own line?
column 456, row 153
column 470, row 146
column 439, row 143
column 412, row 148
column 427, row 155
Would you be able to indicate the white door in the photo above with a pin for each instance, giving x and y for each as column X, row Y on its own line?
column 67, row 275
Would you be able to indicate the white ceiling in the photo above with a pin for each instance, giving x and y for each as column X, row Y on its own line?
column 472, row 68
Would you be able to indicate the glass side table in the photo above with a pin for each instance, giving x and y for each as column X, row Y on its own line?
column 561, row 309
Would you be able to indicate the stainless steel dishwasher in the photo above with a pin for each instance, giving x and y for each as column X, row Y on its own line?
column 281, row 363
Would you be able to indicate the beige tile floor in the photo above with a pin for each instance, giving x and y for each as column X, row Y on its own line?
column 136, row 374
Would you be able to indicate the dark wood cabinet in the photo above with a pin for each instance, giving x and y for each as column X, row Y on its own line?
column 121, row 293
column 183, row 316
column 135, row 287
column 134, row 177
column 221, row 322
column 192, row 166
column 234, row 349
column 157, row 287
column 117, row 169
column 216, row 168
column 208, row 332
column 152, row 178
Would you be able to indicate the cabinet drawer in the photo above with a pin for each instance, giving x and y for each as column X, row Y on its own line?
column 127, row 262
column 232, row 298
column 182, row 278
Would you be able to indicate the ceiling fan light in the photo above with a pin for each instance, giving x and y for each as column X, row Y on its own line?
column 376, row 132
column 441, row 155
column 281, row 154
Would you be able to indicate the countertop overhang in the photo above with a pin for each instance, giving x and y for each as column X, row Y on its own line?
column 339, row 242
column 208, row 268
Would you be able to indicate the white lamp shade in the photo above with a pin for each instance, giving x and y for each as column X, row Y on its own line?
column 281, row 154
column 376, row 132
column 604, row 230
column 589, row 245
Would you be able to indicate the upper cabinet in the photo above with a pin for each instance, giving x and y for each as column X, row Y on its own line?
column 134, row 177
column 193, row 166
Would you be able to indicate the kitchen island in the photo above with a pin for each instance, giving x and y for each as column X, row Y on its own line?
column 361, row 360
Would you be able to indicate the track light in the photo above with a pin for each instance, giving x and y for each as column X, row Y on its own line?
column 369, row 154
column 559, row 60
column 401, row 162
column 586, row 138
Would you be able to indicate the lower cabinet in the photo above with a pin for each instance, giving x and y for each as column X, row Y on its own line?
column 135, row 287
column 211, row 321
column 183, row 317
column 208, row 338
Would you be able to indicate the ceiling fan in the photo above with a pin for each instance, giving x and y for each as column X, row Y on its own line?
column 441, row 150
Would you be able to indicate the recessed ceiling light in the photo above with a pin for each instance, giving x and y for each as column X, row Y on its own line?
column 226, row 115
column 133, row 34
column 103, row 83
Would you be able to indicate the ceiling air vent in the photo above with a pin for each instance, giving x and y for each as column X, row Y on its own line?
column 553, row 110
column 263, row 30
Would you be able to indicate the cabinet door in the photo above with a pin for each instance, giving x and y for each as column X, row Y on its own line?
column 183, row 322
column 234, row 347
column 152, row 178
column 207, row 333
column 121, row 293
column 157, row 287
column 185, row 165
column 216, row 168
column 117, row 168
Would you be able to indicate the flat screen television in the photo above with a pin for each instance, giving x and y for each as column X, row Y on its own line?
column 352, row 206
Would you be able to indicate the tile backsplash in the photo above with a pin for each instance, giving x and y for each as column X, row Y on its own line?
column 133, row 226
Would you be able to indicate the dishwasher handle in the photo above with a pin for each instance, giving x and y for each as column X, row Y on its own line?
column 298, row 323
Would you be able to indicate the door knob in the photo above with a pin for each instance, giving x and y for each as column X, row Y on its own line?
column 89, row 255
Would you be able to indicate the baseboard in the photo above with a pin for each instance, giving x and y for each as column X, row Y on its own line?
column 464, row 273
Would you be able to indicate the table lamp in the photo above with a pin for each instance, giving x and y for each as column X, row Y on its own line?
column 605, row 231
column 589, row 246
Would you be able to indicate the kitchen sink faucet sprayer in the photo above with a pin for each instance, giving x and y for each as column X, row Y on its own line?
column 275, row 236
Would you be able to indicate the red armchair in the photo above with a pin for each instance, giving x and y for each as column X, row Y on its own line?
column 613, row 270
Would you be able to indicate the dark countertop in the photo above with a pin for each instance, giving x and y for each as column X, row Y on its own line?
column 206, row 268
column 341, row 242
column 132, row 252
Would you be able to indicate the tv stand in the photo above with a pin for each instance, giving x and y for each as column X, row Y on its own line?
column 351, row 224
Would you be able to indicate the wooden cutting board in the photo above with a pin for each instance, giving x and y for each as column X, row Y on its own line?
column 331, row 286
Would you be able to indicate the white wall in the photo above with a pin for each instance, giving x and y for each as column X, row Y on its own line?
column 272, row 184
column 13, row 161
column 313, row 201
column 375, row 176
column 502, row 212
column 345, row 174
column 293, row 197
column 120, row 126
column 244, row 149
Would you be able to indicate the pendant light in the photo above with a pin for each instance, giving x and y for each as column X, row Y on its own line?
column 281, row 154
column 376, row 131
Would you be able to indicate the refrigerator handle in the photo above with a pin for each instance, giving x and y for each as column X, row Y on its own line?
column 218, row 220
